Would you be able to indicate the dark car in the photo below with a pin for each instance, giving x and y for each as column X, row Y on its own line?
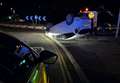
column 21, row 64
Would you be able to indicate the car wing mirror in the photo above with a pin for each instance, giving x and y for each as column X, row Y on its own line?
column 47, row 57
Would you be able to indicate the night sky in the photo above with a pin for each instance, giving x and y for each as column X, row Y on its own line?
column 57, row 6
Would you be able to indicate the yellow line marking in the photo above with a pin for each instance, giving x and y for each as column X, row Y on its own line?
column 61, row 66
column 43, row 75
column 79, row 71
column 62, row 63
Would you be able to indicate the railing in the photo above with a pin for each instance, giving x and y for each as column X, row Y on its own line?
column 24, row 26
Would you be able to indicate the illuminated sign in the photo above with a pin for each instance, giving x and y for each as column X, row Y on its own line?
column 39, row 18
column 31, row 18
column 27, row 17
column 36, row 17
column 44, row 18
column 91, row 15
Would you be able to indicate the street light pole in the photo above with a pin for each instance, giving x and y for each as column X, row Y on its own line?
column 13, row 11
column 118, row 25
column 1, row 4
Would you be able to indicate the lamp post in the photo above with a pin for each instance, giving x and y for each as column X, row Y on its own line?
column 13, row 14
column 36, row 19
column 13, row 11
column 118, row 26
column 91, row 16
column 1, row 3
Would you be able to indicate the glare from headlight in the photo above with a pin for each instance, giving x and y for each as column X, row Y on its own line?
column 44, row 28
column 52, row 35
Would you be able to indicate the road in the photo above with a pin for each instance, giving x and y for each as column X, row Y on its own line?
column 94, row 60
column 63, row 70
column 99, row 58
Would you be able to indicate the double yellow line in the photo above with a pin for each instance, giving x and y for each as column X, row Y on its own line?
column 43, row 76
column 63, row 66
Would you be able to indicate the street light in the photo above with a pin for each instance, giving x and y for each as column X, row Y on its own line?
column 86, row 9
column 9, row 17
column 118, row 26
column 11, row 9
column 1, row 3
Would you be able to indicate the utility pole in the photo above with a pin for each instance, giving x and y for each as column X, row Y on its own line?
column 118, row 26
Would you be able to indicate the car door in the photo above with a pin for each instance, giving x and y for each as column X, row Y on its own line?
column 17, row 62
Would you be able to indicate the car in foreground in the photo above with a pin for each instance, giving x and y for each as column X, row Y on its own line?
column 21, row 64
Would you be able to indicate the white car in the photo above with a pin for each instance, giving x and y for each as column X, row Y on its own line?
column 78, row 27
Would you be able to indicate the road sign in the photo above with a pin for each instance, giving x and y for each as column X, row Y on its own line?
column 44, row 18
column 31, row 18
column 27, row 17
column 34, row 18
column 39, row 18
column 91, row 15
